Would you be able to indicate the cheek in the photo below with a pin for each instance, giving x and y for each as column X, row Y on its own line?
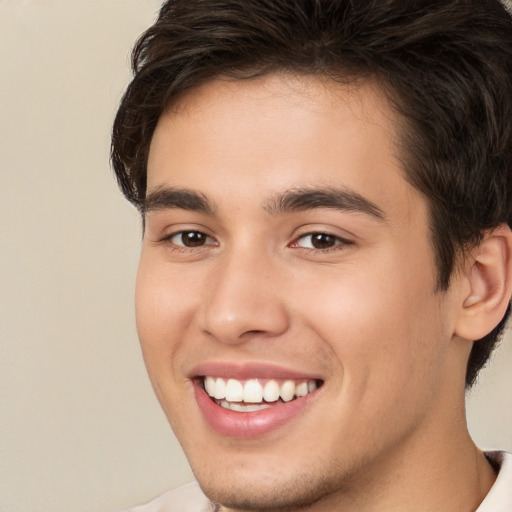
column 163, row 316
column 161, row 306
column 385, row 334
column 388, row 367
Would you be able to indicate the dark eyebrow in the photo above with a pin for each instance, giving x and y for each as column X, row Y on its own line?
column 310, row 198
column 168, row 197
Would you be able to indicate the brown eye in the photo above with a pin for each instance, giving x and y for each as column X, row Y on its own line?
column 319, row 241
column 191, row 239
column 323, row 241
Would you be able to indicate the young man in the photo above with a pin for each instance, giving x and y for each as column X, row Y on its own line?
column 327, row 259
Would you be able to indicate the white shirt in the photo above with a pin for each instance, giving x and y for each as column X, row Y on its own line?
column 499, row 498
column 189, row 498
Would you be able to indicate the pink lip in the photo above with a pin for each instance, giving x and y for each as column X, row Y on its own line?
column 243, row 371
column 248, row 425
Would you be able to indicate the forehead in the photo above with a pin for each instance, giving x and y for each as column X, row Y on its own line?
column 237, row 139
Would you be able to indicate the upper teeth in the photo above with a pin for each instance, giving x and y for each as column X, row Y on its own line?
column 252, row 391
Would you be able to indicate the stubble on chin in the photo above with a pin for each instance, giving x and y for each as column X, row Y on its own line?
column 297, row 494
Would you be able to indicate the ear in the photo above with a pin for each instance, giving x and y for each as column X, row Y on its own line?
column 487, row 277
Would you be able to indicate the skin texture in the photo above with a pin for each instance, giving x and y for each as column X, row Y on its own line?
column 386, row 430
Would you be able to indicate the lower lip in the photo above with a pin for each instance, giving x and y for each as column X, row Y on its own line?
column 248, row 425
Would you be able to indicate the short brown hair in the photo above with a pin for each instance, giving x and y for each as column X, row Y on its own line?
column 446, row 66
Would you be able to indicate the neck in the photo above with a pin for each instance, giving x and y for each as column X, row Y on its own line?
column 438, row 476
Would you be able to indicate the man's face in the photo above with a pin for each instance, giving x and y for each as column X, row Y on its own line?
column 285, row 252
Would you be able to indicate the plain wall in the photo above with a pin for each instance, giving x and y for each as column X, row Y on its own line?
column 80, row 429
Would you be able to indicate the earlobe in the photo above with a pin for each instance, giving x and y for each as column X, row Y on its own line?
column 488, row 285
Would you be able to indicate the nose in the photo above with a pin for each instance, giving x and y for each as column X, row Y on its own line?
column 245, row 299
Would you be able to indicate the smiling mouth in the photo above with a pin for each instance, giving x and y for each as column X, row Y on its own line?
column 253, row 395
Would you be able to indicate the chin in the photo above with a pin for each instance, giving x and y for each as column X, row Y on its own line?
column 277, row 496
column 278, row 489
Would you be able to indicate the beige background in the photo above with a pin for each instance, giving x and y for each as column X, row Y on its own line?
column 80, row 430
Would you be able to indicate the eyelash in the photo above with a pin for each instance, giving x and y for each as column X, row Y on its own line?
column 339, row 242
column 183, row 248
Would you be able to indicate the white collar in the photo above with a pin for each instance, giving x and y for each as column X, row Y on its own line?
column 499, row 498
